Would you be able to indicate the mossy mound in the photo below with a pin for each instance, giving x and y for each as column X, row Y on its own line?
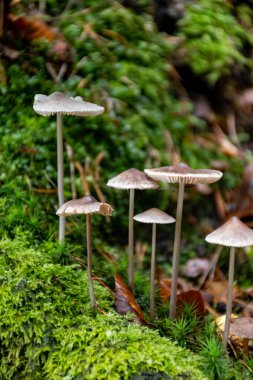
column 48, row 331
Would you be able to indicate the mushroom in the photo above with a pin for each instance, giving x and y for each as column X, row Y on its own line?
column 132, row 179
column 86, row 205
column 61, row 104
column 183, row 175
column 154, row 216
column 232, row 234
column 243, row 328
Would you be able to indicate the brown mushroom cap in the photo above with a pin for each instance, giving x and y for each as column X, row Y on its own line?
column 183, row 173
column 242, row 327
column 233, row 233
column 154, row 215
column 132, row 179
column 58, row 102
column 85, row 205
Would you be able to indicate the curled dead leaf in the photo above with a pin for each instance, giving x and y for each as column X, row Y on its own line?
column 125, row 302
column 194, row 299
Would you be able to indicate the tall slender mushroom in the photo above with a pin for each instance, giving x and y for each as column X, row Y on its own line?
column 61, row 104
column 183, row 175
column 87, row 205
column 154, row 216
column 132, row 179
column 232, row 234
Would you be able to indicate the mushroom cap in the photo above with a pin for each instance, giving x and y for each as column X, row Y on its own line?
column 132, row 179
column 85, row 205
column 183, row 173
column 58, row 102
column 233, row 233
column 154, row 215
column 242, row 327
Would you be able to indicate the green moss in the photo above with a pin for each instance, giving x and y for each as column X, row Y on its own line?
column 213, row 39
column 47, row 326
column 113, row 66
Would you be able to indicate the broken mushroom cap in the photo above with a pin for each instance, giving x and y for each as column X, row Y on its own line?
column 233, row 233
column 183, row 173
column 85, row 205
column 132, row 179
column 58, row 102
column 154, row 215
column 242, row 327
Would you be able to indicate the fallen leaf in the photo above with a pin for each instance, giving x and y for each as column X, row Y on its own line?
column 226, row 146
column 192, row 298
column 221, row 206
column 125, row 301
column 218, row 289
column 44, row 191
column 31, row 28
column 165, row 287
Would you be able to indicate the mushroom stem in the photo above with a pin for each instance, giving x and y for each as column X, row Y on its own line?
column 229, row 296
column 131, row 242
column 176, row 250
column 152, row 276
column 60, row 174
column 89, row 260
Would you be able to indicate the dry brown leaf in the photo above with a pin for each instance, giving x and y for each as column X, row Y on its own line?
column 165, row 287
column 221, row 206
column 31, row 28
column 44, row 191
column 125, row 301
column 192, row 298
column 218, row 290
column 226, row 146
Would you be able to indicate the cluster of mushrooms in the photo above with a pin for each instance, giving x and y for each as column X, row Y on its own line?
column 233, row 233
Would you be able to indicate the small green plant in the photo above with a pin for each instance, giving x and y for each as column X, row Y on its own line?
column 215, row 362
column 184, row 329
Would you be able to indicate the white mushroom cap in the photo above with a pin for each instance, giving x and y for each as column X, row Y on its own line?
column 242, row 327
column 154, row 215
column 85, row 205
column 183, row 173
column 58, row 102
column 233, row 233
column 132, row 179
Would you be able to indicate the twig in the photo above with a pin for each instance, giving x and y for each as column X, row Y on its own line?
column 85, row 184
column 211, row 270
column 56, row 77
column 70, row 154
column 61, row 72
column 96, row 178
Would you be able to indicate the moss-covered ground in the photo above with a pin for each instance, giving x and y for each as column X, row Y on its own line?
column 48, row 330
column 116, row 58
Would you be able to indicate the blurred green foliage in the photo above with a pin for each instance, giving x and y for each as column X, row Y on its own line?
column 120, row 61
column 214, row 39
